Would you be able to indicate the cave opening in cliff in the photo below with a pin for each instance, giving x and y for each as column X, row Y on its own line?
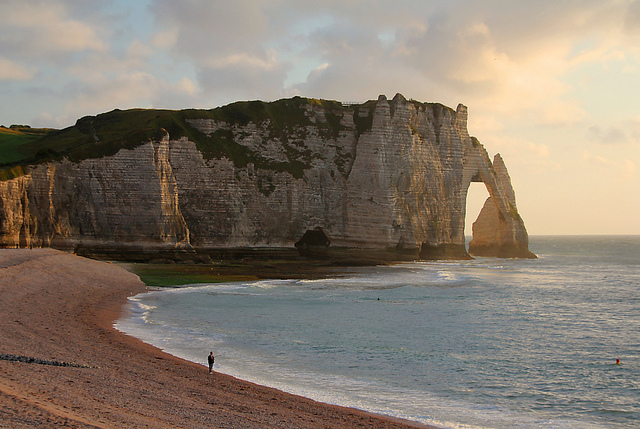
column 476, row 196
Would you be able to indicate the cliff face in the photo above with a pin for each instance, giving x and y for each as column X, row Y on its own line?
column 381, row 175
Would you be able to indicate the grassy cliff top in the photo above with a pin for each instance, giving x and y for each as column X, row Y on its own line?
column 107, row 133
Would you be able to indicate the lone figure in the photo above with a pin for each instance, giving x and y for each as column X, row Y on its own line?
column 210, row 359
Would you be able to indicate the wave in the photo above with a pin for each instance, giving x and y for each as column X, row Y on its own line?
column 456, row 344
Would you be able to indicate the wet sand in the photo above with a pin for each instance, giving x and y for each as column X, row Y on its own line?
column 60, row 308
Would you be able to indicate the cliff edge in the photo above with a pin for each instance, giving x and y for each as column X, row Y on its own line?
column 382, row 176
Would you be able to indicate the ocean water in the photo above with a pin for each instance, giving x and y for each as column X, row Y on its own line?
column 488, row 343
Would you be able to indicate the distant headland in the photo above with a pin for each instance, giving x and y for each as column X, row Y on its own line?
column 381, row 181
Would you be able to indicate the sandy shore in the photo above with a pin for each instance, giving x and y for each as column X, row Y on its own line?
column 60, row 308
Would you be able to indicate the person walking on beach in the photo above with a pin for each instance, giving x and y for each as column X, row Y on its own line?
column 210, row 359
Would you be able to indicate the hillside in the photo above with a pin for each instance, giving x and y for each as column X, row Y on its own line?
column 15, row 145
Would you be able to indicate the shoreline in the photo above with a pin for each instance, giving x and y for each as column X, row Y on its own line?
column 60, row 307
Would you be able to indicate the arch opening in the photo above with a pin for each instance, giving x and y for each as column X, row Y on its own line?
column 477, row 194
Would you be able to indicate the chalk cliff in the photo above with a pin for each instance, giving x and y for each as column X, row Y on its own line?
column 389, row 176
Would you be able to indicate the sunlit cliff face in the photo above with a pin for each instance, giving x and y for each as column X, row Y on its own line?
column 381, row 175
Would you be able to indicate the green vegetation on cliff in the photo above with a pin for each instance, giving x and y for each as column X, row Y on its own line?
column 15, row 138
column 13, row 142
column 287, row 120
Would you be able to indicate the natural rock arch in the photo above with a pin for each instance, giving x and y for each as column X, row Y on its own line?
column 499, row 230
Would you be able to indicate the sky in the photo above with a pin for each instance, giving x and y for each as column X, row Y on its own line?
column 553, row 86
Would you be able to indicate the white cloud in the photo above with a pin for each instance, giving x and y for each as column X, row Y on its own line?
column 44, row 29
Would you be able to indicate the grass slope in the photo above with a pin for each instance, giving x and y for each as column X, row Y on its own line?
column 15, row 138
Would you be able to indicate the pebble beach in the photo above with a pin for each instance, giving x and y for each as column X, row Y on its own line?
column 62, row 364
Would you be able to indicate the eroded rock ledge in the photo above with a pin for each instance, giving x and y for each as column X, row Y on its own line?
column 387, row 178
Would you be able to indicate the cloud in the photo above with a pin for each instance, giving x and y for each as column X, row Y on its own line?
column 134, row 89
column 635, row 130
column 127, row 90
column 524, row 156
column 539, row 149
column 509, row 59
column 165, row 38
column 254, row 76
column 228, row 44
column 611, row 135
column 44, row 29
column 632, row 19
column 621, row 170
column 560, row 113
column 186, row 86
column 624, row 131
column 504, row 60
column 9, row 70
column 540, row 78
column 460, row 52
column 139, row 51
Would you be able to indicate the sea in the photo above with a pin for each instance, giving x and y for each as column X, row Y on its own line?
column 484, row 343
